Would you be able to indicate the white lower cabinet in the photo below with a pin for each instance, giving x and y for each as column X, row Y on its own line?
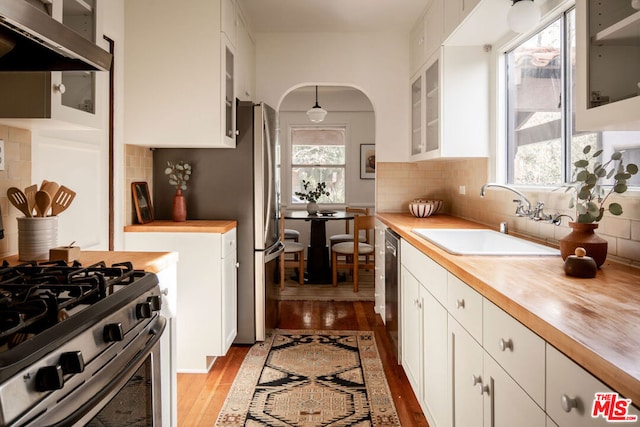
column 571, row 392
column 505, row 403
column 206, row 312
column 424, row 333
column 411, row 329
column 483, row 393
column 465, row 371
column 434, row 349
column 472, row 364
column 518, row 350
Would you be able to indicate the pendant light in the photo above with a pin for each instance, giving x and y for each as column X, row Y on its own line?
column 316, row 113
column 523, row 16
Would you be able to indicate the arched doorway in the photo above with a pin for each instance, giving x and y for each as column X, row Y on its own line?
column 332, row 151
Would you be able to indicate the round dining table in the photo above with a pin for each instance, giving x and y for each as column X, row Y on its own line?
column 318, row 265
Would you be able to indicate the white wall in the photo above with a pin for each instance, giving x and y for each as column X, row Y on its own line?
column 375, row 63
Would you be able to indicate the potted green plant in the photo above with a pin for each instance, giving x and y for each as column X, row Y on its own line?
column 590, row 200
column 179, row 174
column 312, row 195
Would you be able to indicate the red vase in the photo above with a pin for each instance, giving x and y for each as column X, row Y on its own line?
column 179, row 212
column 583, row 235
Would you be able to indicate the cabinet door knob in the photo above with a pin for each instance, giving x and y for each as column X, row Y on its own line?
column 506, row 344
column 460, row 303
column 60, row 88
column 477, row 379
column 568, row 403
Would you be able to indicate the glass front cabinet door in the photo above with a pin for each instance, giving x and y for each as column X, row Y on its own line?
column 69, row 99
column 77, row 89
column 608, row 65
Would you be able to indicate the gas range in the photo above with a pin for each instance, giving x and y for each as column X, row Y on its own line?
column 60, row 327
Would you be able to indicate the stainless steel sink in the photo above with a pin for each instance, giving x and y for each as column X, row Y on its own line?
column 482, row 242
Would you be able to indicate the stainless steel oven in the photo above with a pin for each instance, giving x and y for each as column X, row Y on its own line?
column 88, row 350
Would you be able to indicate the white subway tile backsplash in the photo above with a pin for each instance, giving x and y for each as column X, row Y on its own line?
column 628, row 249
column 614, row 226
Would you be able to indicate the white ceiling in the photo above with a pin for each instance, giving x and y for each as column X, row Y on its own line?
column 331, row 15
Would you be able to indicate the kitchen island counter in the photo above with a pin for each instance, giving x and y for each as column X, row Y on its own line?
column 190, row 226
column 596, row 322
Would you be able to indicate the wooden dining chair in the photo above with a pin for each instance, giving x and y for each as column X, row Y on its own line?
column 290, row 248
column 346, row 255
column 291, row 234
column 347, row 236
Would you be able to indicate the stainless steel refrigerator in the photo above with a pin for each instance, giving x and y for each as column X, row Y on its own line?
column 238, row 183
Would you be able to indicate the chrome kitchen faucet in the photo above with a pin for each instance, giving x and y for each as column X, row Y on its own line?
column 524, row 206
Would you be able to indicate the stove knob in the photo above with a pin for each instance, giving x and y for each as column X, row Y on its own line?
column 143, row 310
column 49, row 378
column 72, row 362
column 113, row 332
column 156, row 302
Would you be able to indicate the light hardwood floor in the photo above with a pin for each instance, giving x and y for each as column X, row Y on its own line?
column 201, row 396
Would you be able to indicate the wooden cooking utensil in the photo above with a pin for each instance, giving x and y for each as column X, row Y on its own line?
column 62, row 199
column 50, row 187
column 43, row 202
column 19, row 200
column 30, row 192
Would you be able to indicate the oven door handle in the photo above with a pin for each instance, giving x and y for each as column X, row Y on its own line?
column 91, row 403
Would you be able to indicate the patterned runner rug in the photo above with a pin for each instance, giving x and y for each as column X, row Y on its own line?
column 311, row 378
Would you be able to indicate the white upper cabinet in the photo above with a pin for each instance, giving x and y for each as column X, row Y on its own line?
column 454, row 105
column 434, row 27
column 176, row 75
column 417, row 48
column 246, row 62
column 426, row 35
column 607, row 65
column 60, row 100
column 227, row 89
column 455, row 11
column 229, row 20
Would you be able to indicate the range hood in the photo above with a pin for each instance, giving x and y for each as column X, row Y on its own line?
column 31, row 40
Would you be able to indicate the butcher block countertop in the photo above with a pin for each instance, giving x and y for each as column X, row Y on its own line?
column 596, row 322
column 191, row 226
column 149, row 261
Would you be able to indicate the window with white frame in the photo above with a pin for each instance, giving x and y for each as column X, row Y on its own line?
column 542, row 142
column 318, row 154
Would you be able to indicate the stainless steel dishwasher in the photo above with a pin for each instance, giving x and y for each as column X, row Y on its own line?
column 391, row 288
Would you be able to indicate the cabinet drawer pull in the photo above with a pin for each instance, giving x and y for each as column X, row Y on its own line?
column 568, row 403
column 460, row 303
column 506, row 344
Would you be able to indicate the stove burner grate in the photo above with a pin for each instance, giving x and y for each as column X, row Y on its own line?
column 33, row 296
